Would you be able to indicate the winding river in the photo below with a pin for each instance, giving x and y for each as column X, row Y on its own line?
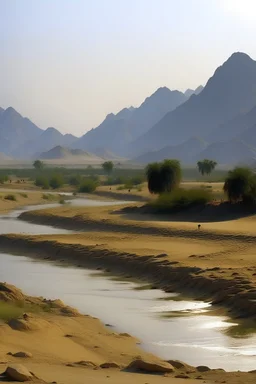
column 166, row 324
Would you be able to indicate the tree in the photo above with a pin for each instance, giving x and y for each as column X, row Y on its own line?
column 56, row 181
column 108, row 167
column 163, row 177
column 240, row 185
column 38, row 165
column 206, row 166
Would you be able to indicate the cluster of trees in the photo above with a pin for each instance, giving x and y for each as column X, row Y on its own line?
column 240, row 185
column 163, row 177
column 206, row 166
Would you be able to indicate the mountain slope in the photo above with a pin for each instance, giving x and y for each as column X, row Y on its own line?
column 189, row 92
column 15, row 130
column 184, row 152
column 48, row 139
column 231, row 152
column 118, row 130
column 231, row 90
column 64, row 155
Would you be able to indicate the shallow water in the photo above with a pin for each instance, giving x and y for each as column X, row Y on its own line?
column 170, row 328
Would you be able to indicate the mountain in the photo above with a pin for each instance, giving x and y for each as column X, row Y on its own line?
column 117, row 131
column 48, row 139
column 15, row 129
column 112, row 133
column 234, row 127
column 105, row 154
column 66, row 155
column 249, row 135
column 230, row 91
column 184, row 152
column 231, row 152
column 189, row 92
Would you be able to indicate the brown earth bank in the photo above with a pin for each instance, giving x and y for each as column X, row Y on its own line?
column 44, row 341
column 215, row 263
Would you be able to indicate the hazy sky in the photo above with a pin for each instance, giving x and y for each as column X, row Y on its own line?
column 68, row 63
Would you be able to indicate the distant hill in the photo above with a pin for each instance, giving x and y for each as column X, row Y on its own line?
column 15, row 130
column 230, row 91
column 231, row 152
column 189, row 92
column 184, row 152
column 116, row 131
column 48, row 139
column 70, row 155
column 105, row 154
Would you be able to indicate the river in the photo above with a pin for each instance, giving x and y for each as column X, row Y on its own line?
column 167, row 325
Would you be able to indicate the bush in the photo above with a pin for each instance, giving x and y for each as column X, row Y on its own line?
column 87, row 186
column 181, row 199
column 48, row 196
column 42, row 181
column 56, row 181
column 240, row 185
column 10, row 197
column 3, row 179
column 163, row 177
column 75, row 180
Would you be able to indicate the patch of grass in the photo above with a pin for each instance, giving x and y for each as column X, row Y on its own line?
column 181, row 199
column 48, row 196
column 87, row 186
column 23, row 195
column 10, row 197
column 15, row 310
column 62, row 201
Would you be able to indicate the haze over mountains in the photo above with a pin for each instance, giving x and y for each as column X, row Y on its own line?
column 217, row 121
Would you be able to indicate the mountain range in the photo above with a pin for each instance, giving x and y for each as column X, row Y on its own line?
column 217, row 121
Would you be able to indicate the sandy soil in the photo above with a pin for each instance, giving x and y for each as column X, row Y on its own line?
column 67, row 347
column 22, row 199
column 220, row 258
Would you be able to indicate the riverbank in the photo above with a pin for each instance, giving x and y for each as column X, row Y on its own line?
column 212, row 264
column 10, row 200
column 58, row 344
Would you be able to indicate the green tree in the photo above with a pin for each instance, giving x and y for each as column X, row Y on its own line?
column 163, row 177
column 42, row 181
column 108, row 167
column 56, row 181
column 240, row 185
column 38, row 165
column 206, row 166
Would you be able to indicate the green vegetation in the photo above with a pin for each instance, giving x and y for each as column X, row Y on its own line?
column 62, row 201
column 75, row 180
column 3, row 179
column 48, row 196
column 108, row 167
column 42, row 181
column 206, row 166
column 163, row 177
column 56, row 181
column 10, row 197
column 38, row 165
column 240, row 185
column 180, row 199
column 87, row 186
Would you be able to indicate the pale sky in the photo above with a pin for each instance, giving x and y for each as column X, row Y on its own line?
column 68, row 63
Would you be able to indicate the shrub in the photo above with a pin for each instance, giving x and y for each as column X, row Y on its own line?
column 87, row 186
column 10, row 197
column 163, row 177
column 23, row 195
column 240, row 185
column 180, row 199
column 48, row 196
column 62, row 201
column 56, row 181
column 3, row 179
column 42, row 181
column 75, row 180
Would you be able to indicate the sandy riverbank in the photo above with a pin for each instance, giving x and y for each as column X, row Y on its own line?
column 214, row 264
column 58, row 344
